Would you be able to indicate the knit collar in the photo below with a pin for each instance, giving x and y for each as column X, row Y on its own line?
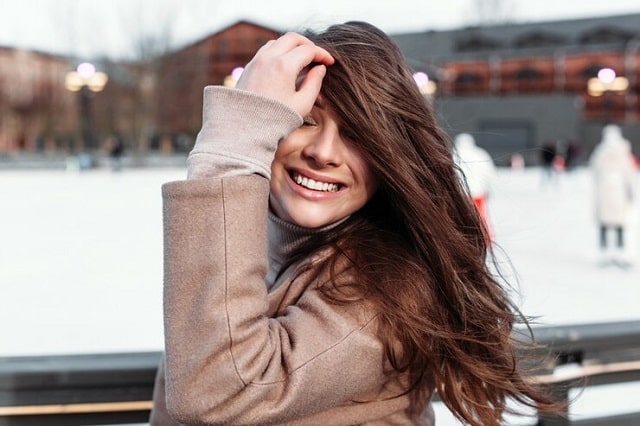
column 284, row 238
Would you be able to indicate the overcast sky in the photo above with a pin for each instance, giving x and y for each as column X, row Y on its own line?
column 93, row 27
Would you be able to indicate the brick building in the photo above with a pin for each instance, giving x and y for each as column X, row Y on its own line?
column 515, row 87
column 519, row 86
column 36, row 111
column 156, row 104
column 185, row 72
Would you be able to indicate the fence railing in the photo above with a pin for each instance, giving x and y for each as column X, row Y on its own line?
column 585, row 355
column 77, row 389
column 117, row 388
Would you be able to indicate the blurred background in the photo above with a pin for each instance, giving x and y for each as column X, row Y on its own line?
column 91, row 79
column 100, row 103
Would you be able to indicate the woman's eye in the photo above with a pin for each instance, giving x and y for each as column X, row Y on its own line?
column 308, row 122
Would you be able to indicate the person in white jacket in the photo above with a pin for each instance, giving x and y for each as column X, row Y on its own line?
column 614, row 177
column 478, row 170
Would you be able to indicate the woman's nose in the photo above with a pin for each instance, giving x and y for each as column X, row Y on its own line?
column 324, row 147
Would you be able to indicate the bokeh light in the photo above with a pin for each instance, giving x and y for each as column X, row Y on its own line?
column 606, row 75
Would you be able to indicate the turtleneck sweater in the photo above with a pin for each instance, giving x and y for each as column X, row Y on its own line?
column 284, row 238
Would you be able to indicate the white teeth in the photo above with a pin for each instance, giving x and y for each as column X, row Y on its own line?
column 313, row 184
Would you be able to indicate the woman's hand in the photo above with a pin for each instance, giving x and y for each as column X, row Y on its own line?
column 279, row 70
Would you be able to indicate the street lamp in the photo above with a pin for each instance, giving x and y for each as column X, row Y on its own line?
column 232, row 79
column 86, row 80
column 426, row 86
column 605, row 83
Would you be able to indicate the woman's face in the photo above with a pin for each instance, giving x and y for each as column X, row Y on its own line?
column 317, row 177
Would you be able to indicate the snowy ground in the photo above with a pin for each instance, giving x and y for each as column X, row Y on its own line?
column 81, row 262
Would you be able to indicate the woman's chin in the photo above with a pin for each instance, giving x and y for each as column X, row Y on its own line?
column 311, row 222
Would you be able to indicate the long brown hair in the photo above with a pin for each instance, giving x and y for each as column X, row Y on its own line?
column 419, row 246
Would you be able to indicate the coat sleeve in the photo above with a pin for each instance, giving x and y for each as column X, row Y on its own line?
column 159, row 415
column 239, row 134
column 227, row 361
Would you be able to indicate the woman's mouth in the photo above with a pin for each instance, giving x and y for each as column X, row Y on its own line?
column 314, row 184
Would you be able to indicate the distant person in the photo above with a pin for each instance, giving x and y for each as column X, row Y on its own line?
column 517, row 162
column 479, row 172
column 116, row 151
column 571, row 154
column 614, row 177
column 548, row 155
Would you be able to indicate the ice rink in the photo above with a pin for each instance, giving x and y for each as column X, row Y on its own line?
column 81, row 261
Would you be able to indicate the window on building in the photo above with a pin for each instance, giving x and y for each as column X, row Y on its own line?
column 529, row 79
column 539, row 39
column 466, row 77
column 527, row 75
column 591, row 70
column 467, row 82
column 476, row 42
column 605, row 35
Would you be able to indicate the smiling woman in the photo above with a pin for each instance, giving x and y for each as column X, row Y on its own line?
column 318, row 177
column 323, row 262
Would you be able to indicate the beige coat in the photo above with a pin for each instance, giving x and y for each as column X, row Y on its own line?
column 233, row 356
column 239, row 351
